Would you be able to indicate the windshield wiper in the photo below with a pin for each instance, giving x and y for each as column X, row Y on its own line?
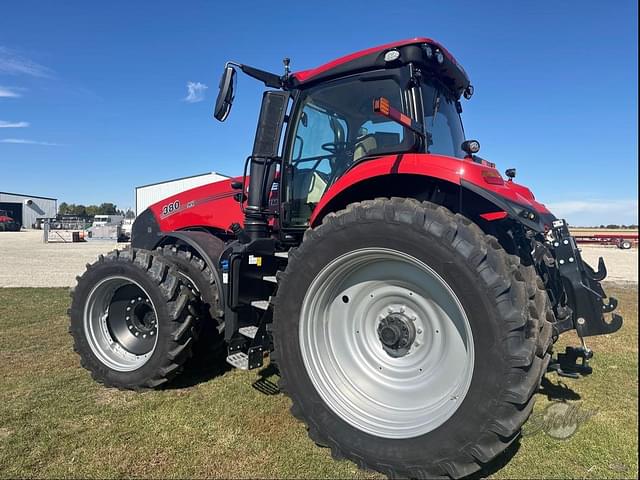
column 435, row 109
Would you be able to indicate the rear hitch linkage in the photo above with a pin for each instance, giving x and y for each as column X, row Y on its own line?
column 585, row 297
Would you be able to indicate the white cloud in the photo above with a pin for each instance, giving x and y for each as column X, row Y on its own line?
column 23, row 141
column 8, row 93
column 592, row 212
column 195, row 92
column 12, row 63
column 5, row 124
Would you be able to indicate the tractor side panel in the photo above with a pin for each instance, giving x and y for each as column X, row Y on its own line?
column 450, row 169
column 211, row 205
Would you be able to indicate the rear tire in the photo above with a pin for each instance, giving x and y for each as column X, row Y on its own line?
column 510, row 340
column 132, row 320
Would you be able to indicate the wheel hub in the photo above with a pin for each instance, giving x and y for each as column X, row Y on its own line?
column 140, row 318
column 397, row 334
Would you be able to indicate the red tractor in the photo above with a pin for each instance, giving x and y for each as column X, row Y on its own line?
column 7, row 223
column 408, row 294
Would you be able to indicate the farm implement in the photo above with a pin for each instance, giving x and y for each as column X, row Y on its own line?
column 407, row 292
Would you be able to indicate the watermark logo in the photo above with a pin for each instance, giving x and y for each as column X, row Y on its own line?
column 559, row 420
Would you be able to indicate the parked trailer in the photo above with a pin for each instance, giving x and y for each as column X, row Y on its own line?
column 623, row 241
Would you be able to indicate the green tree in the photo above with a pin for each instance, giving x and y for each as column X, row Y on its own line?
column 107, row 209
column 92, row 211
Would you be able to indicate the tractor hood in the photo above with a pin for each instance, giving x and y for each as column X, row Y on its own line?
column 210, row 207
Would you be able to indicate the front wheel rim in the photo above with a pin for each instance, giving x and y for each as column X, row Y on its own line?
column 348, row 314
column 121, row 323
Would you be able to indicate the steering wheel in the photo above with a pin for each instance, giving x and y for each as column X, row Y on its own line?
column 333, row 147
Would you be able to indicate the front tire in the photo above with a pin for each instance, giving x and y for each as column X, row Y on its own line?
column 132, row 320
column 197, row 275
column 440, row 403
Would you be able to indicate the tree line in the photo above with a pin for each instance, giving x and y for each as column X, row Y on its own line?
column 617, row 227
column 92, row 210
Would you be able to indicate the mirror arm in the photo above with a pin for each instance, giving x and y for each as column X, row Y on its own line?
column 269, row 79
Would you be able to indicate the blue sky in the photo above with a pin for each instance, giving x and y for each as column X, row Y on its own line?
column 97, row 97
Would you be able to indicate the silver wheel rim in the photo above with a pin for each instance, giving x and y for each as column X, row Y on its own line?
column 120, row 323
column 354, row 373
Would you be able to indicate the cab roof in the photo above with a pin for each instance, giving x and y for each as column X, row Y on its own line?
column 411, row 51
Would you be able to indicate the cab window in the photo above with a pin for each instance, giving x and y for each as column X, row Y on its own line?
column 334, row 127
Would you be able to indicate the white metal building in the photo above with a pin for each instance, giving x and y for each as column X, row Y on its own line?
column 27, row 208
column 154, row 192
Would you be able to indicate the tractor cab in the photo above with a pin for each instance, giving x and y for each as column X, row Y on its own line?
column 390, row 100
column 338, row 124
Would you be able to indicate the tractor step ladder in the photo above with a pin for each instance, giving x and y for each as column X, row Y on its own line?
column 239, row 360
column 249, row 332
column 261, row 304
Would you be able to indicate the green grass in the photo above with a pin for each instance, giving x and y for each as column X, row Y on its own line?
column 56, row 422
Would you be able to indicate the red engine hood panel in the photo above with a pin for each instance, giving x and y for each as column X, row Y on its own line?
column 210, row 205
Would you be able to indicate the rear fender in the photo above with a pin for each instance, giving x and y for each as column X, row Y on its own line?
column 463, row 180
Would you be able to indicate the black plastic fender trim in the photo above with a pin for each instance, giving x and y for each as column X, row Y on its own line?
column 513, row 209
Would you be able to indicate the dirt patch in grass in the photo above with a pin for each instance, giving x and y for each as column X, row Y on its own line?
column 56, row 422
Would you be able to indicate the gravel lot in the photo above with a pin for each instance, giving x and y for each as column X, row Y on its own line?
column 27, row 262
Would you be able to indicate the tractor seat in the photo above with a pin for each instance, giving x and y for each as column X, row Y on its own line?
column 375, row 144
column 364, row 146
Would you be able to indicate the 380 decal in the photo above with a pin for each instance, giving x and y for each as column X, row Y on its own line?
column 170, row 208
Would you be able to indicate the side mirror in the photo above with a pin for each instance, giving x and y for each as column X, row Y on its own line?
column 225, row 94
